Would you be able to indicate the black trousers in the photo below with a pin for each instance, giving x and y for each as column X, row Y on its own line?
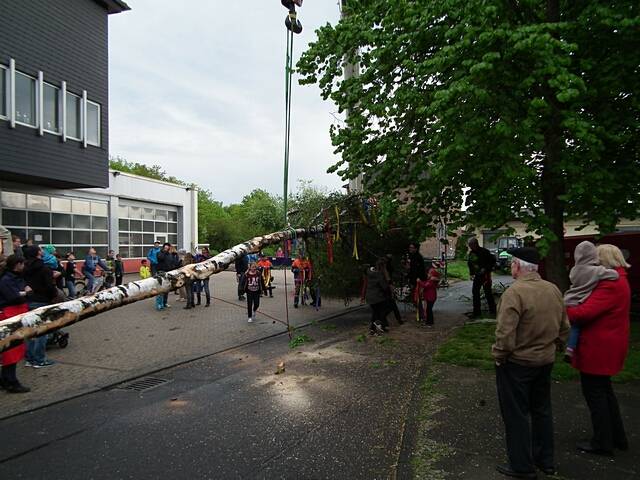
column 253, row 302
column 524, row 394
column 480, row 284
column 8, row 374
column 189, row 290
column 608, row 430
column 240, row 285
column 430, row 312
column 118, row 280
column 379, row 313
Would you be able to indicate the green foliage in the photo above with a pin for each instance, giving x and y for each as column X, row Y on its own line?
column 300, row 340
column 470, row 346
column 155, row 171
column 534, row 110
column 458, row 269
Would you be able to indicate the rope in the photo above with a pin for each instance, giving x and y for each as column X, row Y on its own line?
column 288, row 74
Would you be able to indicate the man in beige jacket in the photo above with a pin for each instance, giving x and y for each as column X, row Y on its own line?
column 531, row 322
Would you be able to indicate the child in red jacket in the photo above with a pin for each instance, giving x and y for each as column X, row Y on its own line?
column 426, row 295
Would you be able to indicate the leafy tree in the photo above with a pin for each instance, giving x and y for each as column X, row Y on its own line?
column 532, row 105
column 154, row 171
column 262, row 211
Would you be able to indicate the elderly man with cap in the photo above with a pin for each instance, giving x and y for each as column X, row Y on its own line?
column 531, row 322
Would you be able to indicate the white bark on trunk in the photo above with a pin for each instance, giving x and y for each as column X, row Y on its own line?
column 15, row 330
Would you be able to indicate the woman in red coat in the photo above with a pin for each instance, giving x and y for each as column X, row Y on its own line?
column 13, row 301
column 604, row 341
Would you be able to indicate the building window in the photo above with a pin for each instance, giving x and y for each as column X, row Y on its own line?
column 51, row 108
column 14, row 200
column 74, row 117
column 3, row 92
column 25, row 99
column 38, row 202
column 93, row 124
column 141, row 226
column 45, row 219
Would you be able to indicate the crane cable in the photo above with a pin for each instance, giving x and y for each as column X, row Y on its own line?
column 288, row 73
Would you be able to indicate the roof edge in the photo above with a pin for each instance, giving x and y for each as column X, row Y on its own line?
column 114, row 6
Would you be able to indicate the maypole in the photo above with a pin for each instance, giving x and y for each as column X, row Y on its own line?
column 40, row 321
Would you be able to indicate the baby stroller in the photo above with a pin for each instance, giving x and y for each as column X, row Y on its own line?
column 59, row 337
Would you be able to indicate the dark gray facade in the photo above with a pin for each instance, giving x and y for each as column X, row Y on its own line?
column 67, row 41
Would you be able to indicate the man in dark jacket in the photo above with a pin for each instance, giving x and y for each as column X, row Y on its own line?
column 377, row 296
column 166, row 262
column 41, row 280
column 242, row 265
column 481, row 263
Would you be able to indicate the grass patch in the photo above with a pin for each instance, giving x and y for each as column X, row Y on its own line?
column 388, row 341
column 428, row 452
column 328, row 327
column 361, row 338
column 470, row 346
column 300, row 340
column 458, row 269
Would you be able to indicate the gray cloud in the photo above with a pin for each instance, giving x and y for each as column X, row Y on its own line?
column 199, row 90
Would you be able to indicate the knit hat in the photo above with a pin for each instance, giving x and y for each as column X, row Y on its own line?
column 528, row 254
column 48, row 248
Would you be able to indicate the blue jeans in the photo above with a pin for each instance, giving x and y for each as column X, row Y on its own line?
column 203, row 285
column 160, row 302
column 90, row 279
column 36, row 347
column 574, row 336
column 71, row 287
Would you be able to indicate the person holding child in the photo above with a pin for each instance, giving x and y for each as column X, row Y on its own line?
column 584, row 277
column 603, row 318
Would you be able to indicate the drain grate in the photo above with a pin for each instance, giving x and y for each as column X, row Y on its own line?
column 143, row 384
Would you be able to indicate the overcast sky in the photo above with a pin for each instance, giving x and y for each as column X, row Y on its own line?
column 197, row 87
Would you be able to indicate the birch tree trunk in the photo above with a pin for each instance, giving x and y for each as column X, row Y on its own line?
column 16, row 330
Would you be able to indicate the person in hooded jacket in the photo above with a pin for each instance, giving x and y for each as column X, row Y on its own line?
column 41, row 279
column 604, row 321
column 13, row 301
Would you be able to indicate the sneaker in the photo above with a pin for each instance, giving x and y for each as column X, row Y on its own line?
column 255, row 315
column 378, row 327
column 167, row 306
column 46, row 363
column 29, row 364
column 17, row 388
column 250, row 320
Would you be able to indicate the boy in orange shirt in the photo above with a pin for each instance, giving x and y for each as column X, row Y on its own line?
column 265, row 265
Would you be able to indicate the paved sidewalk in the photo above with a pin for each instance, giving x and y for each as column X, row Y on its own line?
column 337, row 411
column 136, row 339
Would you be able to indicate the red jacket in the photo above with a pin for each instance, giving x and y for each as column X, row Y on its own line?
column 429, row 287
column 603, row 319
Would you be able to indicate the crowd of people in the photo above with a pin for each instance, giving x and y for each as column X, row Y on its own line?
column 533, row 320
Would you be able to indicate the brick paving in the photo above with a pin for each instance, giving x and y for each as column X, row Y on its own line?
column 136, row 339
